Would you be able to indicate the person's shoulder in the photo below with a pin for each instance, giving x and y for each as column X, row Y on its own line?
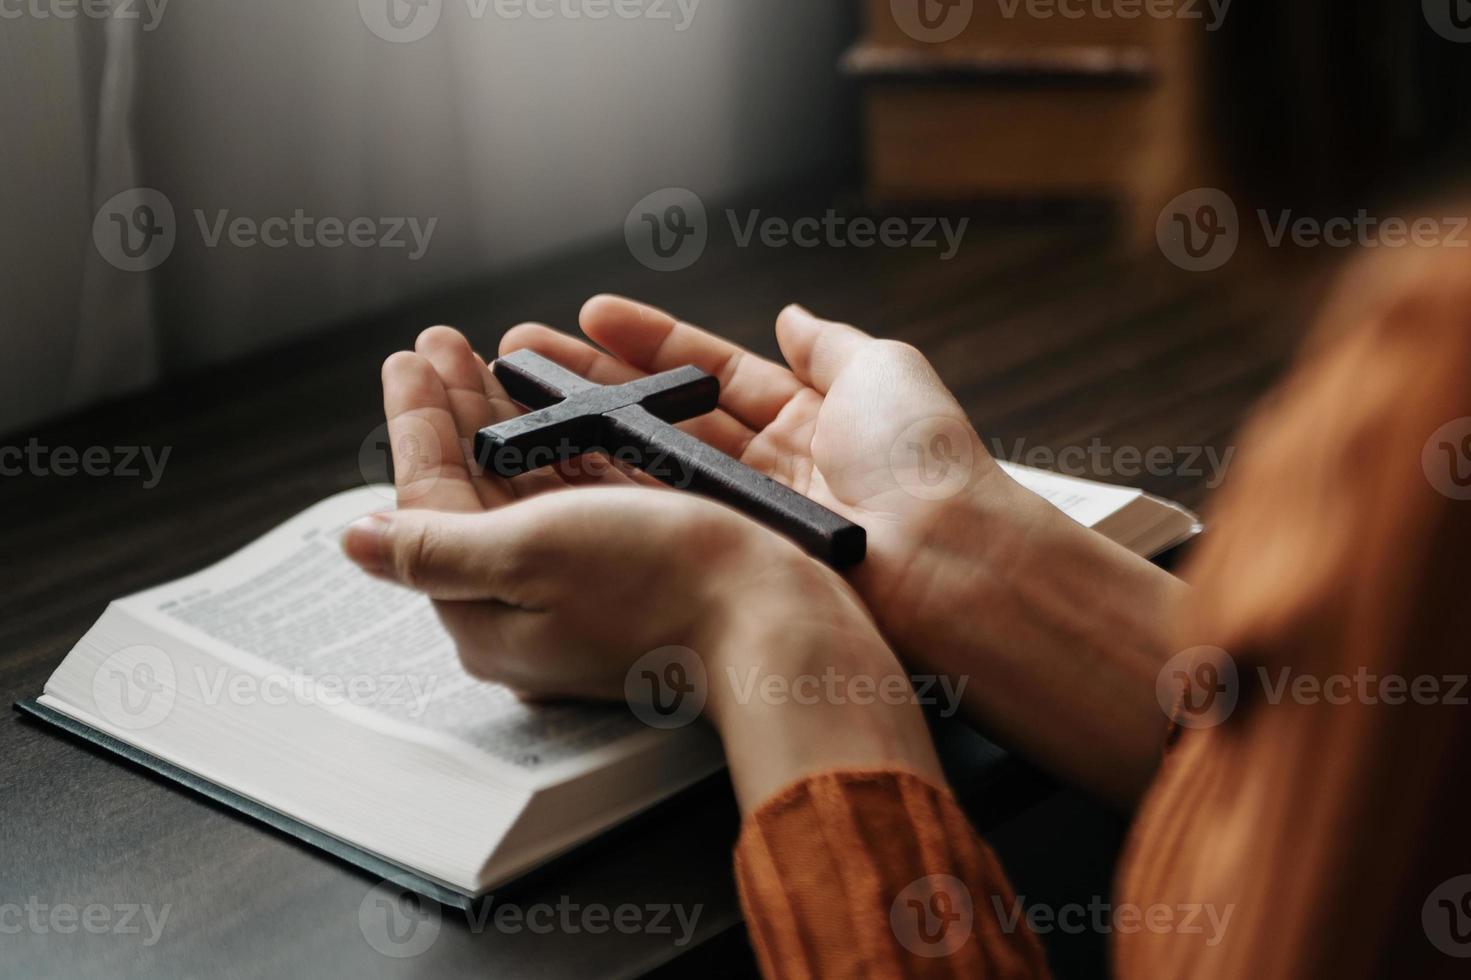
column 1422, row 284
column 1330, row 466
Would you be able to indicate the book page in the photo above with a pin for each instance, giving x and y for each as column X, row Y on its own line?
column 292, row 607
column 1085, row 501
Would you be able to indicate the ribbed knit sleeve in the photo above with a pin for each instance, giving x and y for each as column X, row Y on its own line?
column 877, row 874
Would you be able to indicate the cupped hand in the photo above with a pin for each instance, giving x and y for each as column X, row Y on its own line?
column 556, row 596
column 968, row 573
column 863, row 426
column 436, row 397
column 561, row 594
column 551, row 593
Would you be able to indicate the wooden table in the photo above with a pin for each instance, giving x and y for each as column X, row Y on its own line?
column 1051, row 335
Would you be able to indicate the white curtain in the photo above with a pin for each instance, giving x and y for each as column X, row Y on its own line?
column 117, row 343
column 517, row 134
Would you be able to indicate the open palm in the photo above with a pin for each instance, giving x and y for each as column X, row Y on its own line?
column 865, row 427
column 436, row 398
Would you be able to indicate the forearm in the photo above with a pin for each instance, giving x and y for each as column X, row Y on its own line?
column 1059, row 632
column 838, row 782
column 805, row 685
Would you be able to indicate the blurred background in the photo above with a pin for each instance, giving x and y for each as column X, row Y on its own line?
column 479, row 136
column 519, row 133
column 518, row 129
column 191, row 182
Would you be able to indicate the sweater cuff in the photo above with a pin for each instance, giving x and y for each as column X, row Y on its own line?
column 877, row 873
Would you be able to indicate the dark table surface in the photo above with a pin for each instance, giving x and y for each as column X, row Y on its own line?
column 1051, row 336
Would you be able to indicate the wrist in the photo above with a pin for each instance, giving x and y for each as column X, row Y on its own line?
column 961, row 554
column 800, row 682
column 1069, row 629
column 780, row 617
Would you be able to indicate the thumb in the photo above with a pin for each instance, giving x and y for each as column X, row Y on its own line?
column 451, row 557
column 817, row 350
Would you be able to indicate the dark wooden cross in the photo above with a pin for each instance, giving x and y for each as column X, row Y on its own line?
column 632, row 423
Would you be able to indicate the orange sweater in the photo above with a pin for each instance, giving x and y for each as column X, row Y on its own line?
column 876, row 874
column 1317, row 826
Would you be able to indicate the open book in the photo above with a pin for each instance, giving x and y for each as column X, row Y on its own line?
column 1144, row 524
column 289, row 685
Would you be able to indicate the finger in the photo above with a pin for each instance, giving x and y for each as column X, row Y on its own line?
column 576, row 356
column 502, row 406
column 454, row 557
column 462, row 375
column 478, row 400
column 752, row 389
column 817, row 349
column 429, row 467
column 718, row 428
column 466, row 380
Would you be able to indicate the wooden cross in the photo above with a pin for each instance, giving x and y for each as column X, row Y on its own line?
column 570, row 416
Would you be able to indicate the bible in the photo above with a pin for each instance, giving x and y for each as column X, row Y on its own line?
column 290, row 686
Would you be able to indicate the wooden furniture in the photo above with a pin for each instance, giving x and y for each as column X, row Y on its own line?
column 1053, row 336
column 1023, row 105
